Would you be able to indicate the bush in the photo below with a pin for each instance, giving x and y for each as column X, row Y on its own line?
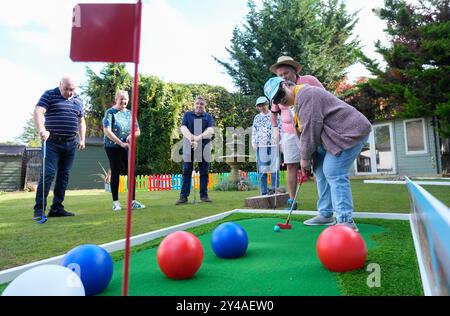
column 241, row 185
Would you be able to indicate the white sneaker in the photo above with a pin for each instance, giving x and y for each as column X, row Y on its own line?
column 116, row 207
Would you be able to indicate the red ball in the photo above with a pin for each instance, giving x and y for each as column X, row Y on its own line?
column 341, row 249
column 180, row 255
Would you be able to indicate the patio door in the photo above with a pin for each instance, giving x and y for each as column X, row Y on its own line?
column 377, row 155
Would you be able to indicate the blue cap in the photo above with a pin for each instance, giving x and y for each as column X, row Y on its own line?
column 262, row 100
column 271, row 87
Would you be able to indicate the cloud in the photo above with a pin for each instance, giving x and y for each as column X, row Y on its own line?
column 20, row 94
column 178, row 50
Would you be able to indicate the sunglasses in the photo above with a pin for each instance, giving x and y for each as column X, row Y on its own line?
column 279, row 97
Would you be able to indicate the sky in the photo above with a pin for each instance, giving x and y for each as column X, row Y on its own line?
column 178, row 40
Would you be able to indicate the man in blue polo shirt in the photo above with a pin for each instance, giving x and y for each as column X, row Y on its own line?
column 197, row 128
column 59, row 119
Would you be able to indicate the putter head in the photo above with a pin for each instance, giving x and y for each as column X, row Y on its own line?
column 284, row 225
column 42, row 220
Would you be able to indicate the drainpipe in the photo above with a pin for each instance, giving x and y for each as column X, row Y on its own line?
column 437, row 145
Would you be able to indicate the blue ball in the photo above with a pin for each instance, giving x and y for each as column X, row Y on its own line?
column 229, row 240
column 94, row 266
column 276, row 228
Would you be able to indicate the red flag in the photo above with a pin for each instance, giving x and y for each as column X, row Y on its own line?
column 104, row 33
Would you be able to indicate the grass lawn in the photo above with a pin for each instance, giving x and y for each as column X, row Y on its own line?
column 282, row 263
column 23, row 241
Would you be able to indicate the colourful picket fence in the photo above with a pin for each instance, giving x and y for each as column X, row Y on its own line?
column 167, row 182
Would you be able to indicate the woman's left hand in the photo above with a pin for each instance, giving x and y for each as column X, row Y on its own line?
column 305, row 165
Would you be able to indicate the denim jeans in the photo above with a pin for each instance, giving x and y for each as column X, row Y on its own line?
column 58, row 161
column 274, row 184
column 333, row 183
column 268, row 163
column 188, row 167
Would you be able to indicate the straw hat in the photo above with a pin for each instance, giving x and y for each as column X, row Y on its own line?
column 286, row 60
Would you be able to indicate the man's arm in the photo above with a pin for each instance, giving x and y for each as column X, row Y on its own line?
column 275, row 127
column 38, row 117
column 208, row 133
column 186, row 133
column 82, row 133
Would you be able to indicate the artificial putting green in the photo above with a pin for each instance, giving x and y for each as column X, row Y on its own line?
column 283, row 263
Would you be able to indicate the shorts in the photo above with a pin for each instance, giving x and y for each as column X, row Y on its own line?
column 290, row 147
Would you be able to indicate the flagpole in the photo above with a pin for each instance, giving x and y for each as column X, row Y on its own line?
column 132, row 149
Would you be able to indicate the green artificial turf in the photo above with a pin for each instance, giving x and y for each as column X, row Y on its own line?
column 266, row 270
column 390, row 245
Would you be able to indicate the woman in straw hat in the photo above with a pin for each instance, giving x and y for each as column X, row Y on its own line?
column 288, row 69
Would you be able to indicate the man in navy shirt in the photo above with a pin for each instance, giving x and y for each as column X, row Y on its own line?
column 197, row 128
column 59, row 119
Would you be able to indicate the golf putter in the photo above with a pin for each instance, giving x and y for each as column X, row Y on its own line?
column 257, row 170
column 193, row 184
column 276, row 176
column 44, row 153
column 303, row 178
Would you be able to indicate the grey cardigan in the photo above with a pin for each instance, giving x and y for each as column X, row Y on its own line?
column 329, row 121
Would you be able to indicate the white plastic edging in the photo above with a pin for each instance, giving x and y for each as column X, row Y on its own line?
column 10, row 274
column 443, row 183
column 423, row 273
column 392, row 216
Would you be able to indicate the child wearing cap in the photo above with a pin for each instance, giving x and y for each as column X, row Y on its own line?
column 267, row 150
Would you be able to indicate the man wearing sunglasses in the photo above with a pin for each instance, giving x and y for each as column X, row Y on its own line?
column 332, row 133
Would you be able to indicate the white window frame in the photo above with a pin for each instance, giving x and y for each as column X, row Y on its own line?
column 373, row 161
column 392, row 141
column 405, row 137
column 373, row 155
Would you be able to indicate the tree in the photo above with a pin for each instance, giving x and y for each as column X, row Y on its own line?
column 30, row 135
column 161, row 108
column 416, row 79
column 100, row 92
column 315, row 32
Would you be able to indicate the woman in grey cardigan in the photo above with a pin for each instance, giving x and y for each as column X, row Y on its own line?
column 332, row 134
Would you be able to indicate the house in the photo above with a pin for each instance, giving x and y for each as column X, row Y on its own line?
column 401, row 147
column 12, row 176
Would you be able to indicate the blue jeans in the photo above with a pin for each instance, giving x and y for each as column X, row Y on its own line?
column 274, row 184
column 188, row 167
column 333, row 183
column 265, row 155
column 58, row 161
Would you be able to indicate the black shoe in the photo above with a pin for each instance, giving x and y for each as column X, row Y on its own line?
column 271, row 192
column 60, row 213
column 206, row 199
column 182, row 200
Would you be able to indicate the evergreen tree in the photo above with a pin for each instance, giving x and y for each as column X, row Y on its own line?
column 416, row 79
column 30, row 135
column 314, row 32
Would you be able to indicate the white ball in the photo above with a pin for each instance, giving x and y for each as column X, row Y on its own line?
column 46, row 280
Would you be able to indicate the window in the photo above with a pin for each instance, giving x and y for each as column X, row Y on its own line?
column 415, row 140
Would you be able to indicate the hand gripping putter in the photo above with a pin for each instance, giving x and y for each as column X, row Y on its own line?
column 301, row 177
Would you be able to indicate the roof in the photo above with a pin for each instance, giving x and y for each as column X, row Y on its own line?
column 94, row 141
column 12, row 150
